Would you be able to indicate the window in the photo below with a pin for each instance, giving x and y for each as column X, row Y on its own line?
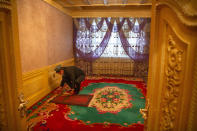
column 89, row 39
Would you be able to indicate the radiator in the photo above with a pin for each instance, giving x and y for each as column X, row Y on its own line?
column 113, row 66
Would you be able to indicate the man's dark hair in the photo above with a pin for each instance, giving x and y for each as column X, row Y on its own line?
column 57, row 68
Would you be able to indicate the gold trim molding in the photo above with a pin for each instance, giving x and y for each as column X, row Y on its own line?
column 193, row 109
column 173, row 80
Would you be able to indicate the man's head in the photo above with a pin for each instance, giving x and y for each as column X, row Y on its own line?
column 59, row 70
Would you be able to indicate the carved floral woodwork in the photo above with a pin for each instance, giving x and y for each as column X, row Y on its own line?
column 5, row 4
column 171, row 89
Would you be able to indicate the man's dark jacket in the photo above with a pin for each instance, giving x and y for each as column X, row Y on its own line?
column 73, row 76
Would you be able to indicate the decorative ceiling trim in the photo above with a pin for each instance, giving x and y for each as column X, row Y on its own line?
column 130, row 13
column 118, row 4
column 57, row 6
column 89, row 8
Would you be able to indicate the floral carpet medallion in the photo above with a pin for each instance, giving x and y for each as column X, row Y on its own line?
column 110, row 99
column 112, row 103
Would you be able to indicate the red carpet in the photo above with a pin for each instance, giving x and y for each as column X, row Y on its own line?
column 81, row 100
column 57, row 122
column 48, row 116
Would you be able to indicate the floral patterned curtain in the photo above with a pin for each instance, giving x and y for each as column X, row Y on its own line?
column 115, row 38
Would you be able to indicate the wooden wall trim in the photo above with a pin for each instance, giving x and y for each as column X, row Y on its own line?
column 36, row 71
column 38, row 83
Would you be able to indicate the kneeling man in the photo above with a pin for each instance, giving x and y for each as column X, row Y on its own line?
column 71, row 75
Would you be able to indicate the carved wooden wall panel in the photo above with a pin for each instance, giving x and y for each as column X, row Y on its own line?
column 170, row 85
column 177, row 82
column 173, row 80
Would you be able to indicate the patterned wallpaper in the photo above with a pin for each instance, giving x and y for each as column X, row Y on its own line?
column 45, row 34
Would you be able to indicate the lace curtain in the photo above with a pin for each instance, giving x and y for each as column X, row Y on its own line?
column 119, row 40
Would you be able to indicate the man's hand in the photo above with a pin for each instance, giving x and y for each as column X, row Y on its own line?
column 67, row 88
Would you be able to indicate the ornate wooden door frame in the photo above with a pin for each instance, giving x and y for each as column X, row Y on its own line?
column 171, row 82
column 10, row 68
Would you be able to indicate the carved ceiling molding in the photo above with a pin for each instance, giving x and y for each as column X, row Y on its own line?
column 187, row 17
column 172, row 88
column 5, row 4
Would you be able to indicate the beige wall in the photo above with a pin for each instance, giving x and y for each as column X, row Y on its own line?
column 45, row 34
